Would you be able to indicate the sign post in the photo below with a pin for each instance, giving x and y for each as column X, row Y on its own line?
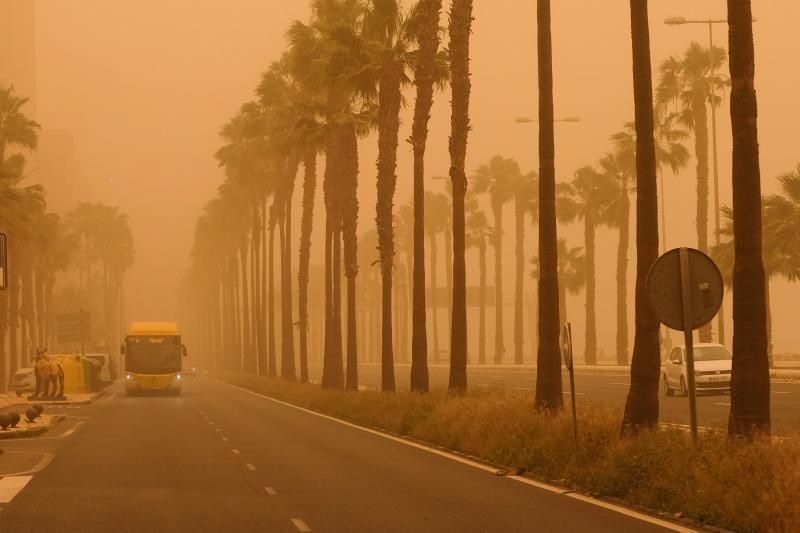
column 566, row 348
column 684, row 290
column 3, row 261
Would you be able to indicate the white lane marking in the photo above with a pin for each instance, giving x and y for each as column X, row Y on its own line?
column 224, row 439
column 250, row 467
column 722, row 403
column 217, row 430
column 235, row 451
column 576, row 394
column 300, row 525
column 270, row 491
column 38, row 467
column 619, row 383
column 628, row 512
column 551, row 488
column 781, row 392
column 10, row 487
column 524, row 388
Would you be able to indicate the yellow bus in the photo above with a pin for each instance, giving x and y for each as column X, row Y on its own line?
column 153, row 357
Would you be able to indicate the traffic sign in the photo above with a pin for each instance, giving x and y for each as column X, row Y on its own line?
column 566, row 345
column 664, row 291
column 3, row 261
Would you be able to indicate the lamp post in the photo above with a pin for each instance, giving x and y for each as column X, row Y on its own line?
column 679, row 21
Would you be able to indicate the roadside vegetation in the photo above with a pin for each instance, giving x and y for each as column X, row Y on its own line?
column 659, row 471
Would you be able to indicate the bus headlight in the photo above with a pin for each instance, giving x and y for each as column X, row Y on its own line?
column 178, row 377
column 127, row 376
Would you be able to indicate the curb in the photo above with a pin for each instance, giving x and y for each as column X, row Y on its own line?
column 32, row 432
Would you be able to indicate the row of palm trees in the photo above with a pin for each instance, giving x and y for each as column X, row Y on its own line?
column 43, row 245
column 341, row 77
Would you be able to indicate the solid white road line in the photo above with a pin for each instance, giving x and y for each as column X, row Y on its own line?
column 551, row 488
column 10, row 487
column 300, row 525
column 722, row 403
column 270, row 491
column 38, row 467
column 576, row 394
column 781, row 392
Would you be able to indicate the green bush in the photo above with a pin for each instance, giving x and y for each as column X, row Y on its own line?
column 738, row 485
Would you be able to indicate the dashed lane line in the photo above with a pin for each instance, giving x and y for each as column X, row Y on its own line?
column 270, row 491
column 234, row 451
column 300, row 525
column 224, row 439
column 250, row 467
column 475, row 464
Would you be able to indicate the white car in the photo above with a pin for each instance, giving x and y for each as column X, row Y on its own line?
column 712, row 370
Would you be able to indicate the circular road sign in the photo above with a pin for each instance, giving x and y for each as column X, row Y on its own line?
column 664, row 289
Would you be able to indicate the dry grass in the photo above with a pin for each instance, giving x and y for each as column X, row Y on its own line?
column 742, row 486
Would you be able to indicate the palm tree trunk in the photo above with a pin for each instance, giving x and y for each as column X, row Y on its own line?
column 309, row 188
column 259, row 302
column 390, row 100
column 13, row 301
column 701, row 151
column 548, row 358
column 336, row 308
column 271, row 355
column 424, row 73
column 519, row 256
column 4, row 378
column 750, row 386
column 622, row 279
column 349, row 218
column 249, row 364
column 641, row 408
column 499, row 348
column 288, row 369
column 590, row 349
column 434, row 303
column 482, row 303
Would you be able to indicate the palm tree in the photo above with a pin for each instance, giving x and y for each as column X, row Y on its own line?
column 478, row 231
column 525, row 202
column 571, row 275
column 497, row 178
column 687, row 81
column 622, row 175
column 437, row 206
column 428, row 13
column 641, row 408
column 548, row 357
column 588, row 197
column 460, row 29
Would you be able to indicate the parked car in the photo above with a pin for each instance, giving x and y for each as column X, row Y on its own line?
column 23, row 380
column 712, row 370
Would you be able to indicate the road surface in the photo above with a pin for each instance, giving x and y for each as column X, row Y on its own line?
column 220, row 459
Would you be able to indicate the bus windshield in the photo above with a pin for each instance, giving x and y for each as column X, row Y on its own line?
column 153, row 355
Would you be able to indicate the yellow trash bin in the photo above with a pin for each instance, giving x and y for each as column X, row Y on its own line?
column 76, row 380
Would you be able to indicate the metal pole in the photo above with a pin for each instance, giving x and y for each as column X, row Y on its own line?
column 688, row 339
column 721, row 316
column 571, row 368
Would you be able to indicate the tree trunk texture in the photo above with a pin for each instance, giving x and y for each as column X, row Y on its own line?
column 750, row 386
column 548, row 358
column 309, row 189
column 622, row 279
column 641, row 408
column 519, row 272
column 497, row 243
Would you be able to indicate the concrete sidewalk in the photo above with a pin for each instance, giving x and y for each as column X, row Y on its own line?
column 12, row 400
column 31, row 429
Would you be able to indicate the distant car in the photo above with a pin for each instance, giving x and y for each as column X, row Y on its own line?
column 712, row 370
column 24, row 380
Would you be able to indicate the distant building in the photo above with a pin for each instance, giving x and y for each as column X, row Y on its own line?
column 55, row 165
column 18, row 49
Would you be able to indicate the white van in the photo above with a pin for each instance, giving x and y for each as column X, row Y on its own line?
column 712, row 370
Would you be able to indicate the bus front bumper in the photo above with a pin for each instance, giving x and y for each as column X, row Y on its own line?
column 153, row 382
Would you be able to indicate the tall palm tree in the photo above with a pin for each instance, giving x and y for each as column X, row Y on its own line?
column 641, row 408
column 428, row 13
column 571, row 275
column 478, row 231
column 497, row 178
column 460, row 30
column 525, row 202
column 687, row 81
column 588, row 198
column 750, row 386
column 548, row 357
column 437, row 206
column 622, row 175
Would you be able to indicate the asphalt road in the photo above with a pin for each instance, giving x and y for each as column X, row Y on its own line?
column 610, row 389
column 222, row 459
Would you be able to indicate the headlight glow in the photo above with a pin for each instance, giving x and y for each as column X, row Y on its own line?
column 178, row 376
column 127, row 376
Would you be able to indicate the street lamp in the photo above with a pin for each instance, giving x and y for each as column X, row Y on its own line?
column 528, row 120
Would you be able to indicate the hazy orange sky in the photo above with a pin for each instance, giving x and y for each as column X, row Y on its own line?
column 145, row 86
